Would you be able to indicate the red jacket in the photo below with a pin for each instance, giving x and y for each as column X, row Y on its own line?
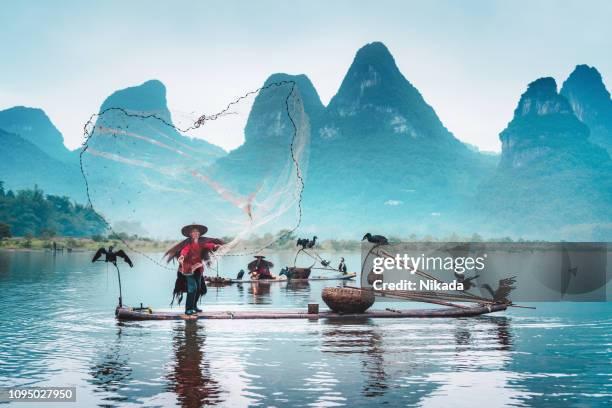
column 192, row 253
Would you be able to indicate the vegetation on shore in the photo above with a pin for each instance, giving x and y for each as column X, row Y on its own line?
column 32, row 213
column 81, row 244
column 279, row 242
column 29, row 219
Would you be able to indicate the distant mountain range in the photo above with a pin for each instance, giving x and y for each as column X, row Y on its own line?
column 551, row 175
column 379, row 159
column 32, row 152
column 591, row 103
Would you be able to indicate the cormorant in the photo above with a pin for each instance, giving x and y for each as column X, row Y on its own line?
column 111, row 256
column 342, row 266
column 375, row 239
column 467, row 282
column 503, row 290
column 307, row 243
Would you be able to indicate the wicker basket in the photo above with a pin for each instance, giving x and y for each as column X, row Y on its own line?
column 347, row 300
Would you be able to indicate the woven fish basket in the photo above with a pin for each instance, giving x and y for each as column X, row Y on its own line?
column 347, row 300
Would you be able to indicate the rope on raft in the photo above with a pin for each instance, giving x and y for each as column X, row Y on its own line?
column 426, row 275
column 406, row 296
column 438, row 298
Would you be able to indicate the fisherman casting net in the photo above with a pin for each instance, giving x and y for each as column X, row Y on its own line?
column 147, row 175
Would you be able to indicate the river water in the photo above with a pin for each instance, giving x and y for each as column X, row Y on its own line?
column 57, row 328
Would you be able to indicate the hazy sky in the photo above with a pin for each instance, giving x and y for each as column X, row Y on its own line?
column 471, row 60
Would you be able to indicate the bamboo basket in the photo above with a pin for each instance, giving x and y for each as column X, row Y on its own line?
column 347, row 300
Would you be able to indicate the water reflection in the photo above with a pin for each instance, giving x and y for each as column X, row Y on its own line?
column 5, row 264
column 57, row 328
column 498, row 327
column 297, row 286
column 114, row 371
column 260, row 293
column 502, row 329
column 463, row 335
column 361, row 337
column 190, row 377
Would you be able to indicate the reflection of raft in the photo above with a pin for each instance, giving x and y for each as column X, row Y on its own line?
column 312, row 278
column 125, row 313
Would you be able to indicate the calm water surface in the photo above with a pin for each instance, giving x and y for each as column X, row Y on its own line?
column 57, row 328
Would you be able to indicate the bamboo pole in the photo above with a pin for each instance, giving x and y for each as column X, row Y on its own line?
column 428, row 276
column 470, row 296
column 456, row 297
column 387, row 293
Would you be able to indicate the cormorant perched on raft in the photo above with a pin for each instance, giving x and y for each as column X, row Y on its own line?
column 111, row 256
column 342, row 266
column 307, row 243
column 375, row 239
column 503, row 290
column 467, row 282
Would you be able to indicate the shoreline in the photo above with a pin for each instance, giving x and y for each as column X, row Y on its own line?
column 71, row 244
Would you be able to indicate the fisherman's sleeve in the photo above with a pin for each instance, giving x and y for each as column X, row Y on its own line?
column 211, row 246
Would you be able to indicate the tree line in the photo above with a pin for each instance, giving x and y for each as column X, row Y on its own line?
column 31, row 212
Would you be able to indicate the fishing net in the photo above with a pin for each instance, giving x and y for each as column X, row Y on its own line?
column 149, row 171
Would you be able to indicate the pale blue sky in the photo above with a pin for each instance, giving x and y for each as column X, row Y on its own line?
column 471, row 60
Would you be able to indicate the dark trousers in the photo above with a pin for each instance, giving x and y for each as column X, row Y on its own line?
column 192, row 292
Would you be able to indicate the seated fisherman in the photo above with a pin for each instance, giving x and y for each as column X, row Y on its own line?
column 260, row 268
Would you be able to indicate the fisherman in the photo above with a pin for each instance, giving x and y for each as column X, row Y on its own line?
column 192, row 253
column 260, row 268
column 342, row 266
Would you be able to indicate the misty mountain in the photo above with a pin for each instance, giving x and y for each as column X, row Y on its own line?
column 33, row 125
column 590, row 100
column 378, row 154
column 136, row 122
column 268, row 133
column 376, row 158
column 138, row 165
column 551, row 179
column 381, row 157
column 23, row 165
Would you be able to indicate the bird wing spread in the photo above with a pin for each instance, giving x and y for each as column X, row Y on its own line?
column 126, row 258
column 98, row 254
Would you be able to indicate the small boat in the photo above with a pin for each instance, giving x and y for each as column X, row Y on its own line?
column 127, row 313
column 348, row 276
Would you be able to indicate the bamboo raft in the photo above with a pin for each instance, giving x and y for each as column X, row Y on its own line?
column 127, row 313
column 348, row 276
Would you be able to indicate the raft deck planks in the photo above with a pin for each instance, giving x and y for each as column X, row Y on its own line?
column 348, row 276
column 124, row 313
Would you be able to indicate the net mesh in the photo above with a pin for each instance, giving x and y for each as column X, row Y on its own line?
column 149, row 176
